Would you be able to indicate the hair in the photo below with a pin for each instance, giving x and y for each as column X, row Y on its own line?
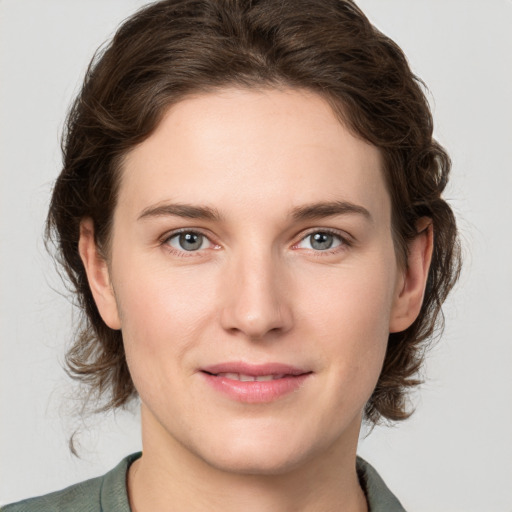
column 175, row 48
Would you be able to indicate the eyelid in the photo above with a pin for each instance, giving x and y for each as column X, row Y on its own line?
column 164, row 241
column 344, row 237
column 178, row 231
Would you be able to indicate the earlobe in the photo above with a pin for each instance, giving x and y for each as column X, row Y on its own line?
column 411, row 290
column 98, row 275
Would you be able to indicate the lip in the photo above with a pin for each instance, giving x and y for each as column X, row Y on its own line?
column 287, row 379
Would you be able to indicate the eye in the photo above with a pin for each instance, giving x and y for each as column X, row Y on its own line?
column 189, row 241
column 321, row 241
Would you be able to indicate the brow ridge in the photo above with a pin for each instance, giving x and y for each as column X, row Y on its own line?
column 328, row 209
column 181, row 210
column 304, row 212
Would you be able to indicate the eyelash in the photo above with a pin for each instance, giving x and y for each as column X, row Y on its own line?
column 182, row 253
column 344, row 240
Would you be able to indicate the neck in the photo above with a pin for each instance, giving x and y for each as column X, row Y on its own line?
column 169, row 477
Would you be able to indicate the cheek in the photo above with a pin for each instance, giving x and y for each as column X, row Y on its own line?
column 354, row 297
column 349, row 314
column 162, row 315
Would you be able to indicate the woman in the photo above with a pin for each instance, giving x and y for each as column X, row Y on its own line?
column 250, row 211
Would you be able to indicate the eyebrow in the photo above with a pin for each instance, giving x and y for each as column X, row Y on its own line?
column 306, row 212
column 181, row 210
column 328, row 209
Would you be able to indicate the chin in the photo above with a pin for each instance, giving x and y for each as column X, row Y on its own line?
column 264, row 454
column 257, row 462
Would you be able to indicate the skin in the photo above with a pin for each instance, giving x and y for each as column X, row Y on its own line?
column 257, row 290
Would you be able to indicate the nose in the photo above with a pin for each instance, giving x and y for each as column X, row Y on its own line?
column 257, row 299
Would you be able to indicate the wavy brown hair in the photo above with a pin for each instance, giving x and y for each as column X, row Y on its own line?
column 175, row 48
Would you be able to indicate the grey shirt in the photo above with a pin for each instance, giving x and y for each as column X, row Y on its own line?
column 108, row 493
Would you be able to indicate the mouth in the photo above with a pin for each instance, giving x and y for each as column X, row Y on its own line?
column 251, row 383
column 250, row 378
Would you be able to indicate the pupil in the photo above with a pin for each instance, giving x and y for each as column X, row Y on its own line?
column 191, row 241
column 321, row 241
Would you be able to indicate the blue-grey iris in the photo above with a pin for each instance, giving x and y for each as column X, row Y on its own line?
column 321, row 241
column 190, row 241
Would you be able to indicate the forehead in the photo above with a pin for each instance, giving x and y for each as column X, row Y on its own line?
column 254, row 148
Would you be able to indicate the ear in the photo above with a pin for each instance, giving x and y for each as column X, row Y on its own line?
column 98, row 275
column 411, row 287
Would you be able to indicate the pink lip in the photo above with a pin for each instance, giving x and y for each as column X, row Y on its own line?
column 286, row 380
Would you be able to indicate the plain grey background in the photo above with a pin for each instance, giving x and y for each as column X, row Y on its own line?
column 455, row 453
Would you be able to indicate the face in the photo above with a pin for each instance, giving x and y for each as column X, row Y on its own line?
column 254, row 278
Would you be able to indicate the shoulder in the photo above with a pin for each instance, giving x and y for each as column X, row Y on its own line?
column 83, row 496
column 105, row 493
column 380, row 498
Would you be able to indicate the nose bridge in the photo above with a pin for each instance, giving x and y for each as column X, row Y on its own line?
column 256, row 301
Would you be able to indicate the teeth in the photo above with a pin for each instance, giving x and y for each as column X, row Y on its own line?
column 232, row 376
column 249, row 378
column 262, row 378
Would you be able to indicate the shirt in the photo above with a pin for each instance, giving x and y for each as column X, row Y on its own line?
column 108, row 493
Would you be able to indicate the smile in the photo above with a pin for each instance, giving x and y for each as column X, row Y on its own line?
column 254, row 384
column 250, row 378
